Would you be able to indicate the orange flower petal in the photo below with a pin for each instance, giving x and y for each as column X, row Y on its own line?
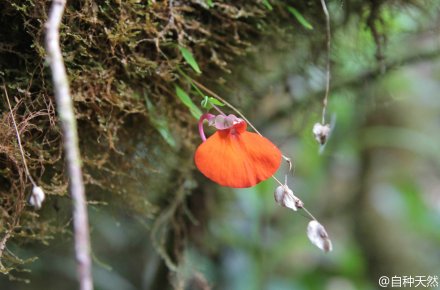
column 237, row 158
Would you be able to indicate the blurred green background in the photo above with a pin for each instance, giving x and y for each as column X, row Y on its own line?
column 375, row 187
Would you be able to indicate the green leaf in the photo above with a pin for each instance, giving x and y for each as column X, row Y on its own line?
column 209, row 3
column 215, row 102
column 160, row 123
column 207, row 102
column 300, row 18
column 267, row 4
column 186, row 100
column 188, row 56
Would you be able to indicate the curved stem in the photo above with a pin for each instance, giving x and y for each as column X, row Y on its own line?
column 204, row 117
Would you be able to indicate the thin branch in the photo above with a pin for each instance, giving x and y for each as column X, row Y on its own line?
column 327, row 82
column 70, row 136
column 19, row 139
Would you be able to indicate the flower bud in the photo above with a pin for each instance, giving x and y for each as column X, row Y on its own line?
column 318, row 236
column 321, row 132
column 284, row 196
column 37, row 197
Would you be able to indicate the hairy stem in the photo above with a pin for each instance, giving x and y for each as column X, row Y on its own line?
column 70, row 137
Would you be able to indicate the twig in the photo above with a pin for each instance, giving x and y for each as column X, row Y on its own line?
column 68, row 122
column 327, row 82
column 19, row 139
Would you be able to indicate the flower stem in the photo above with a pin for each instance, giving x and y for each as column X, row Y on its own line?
column 327, row 82
column 204, row 117
column 218, row 109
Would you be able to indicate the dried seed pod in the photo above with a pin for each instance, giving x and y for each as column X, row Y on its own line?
column 284, row 196
column 37, row 197
column 318, row 236
column 321, row 132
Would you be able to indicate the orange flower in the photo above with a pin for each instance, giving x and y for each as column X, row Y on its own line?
column 233, row 156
